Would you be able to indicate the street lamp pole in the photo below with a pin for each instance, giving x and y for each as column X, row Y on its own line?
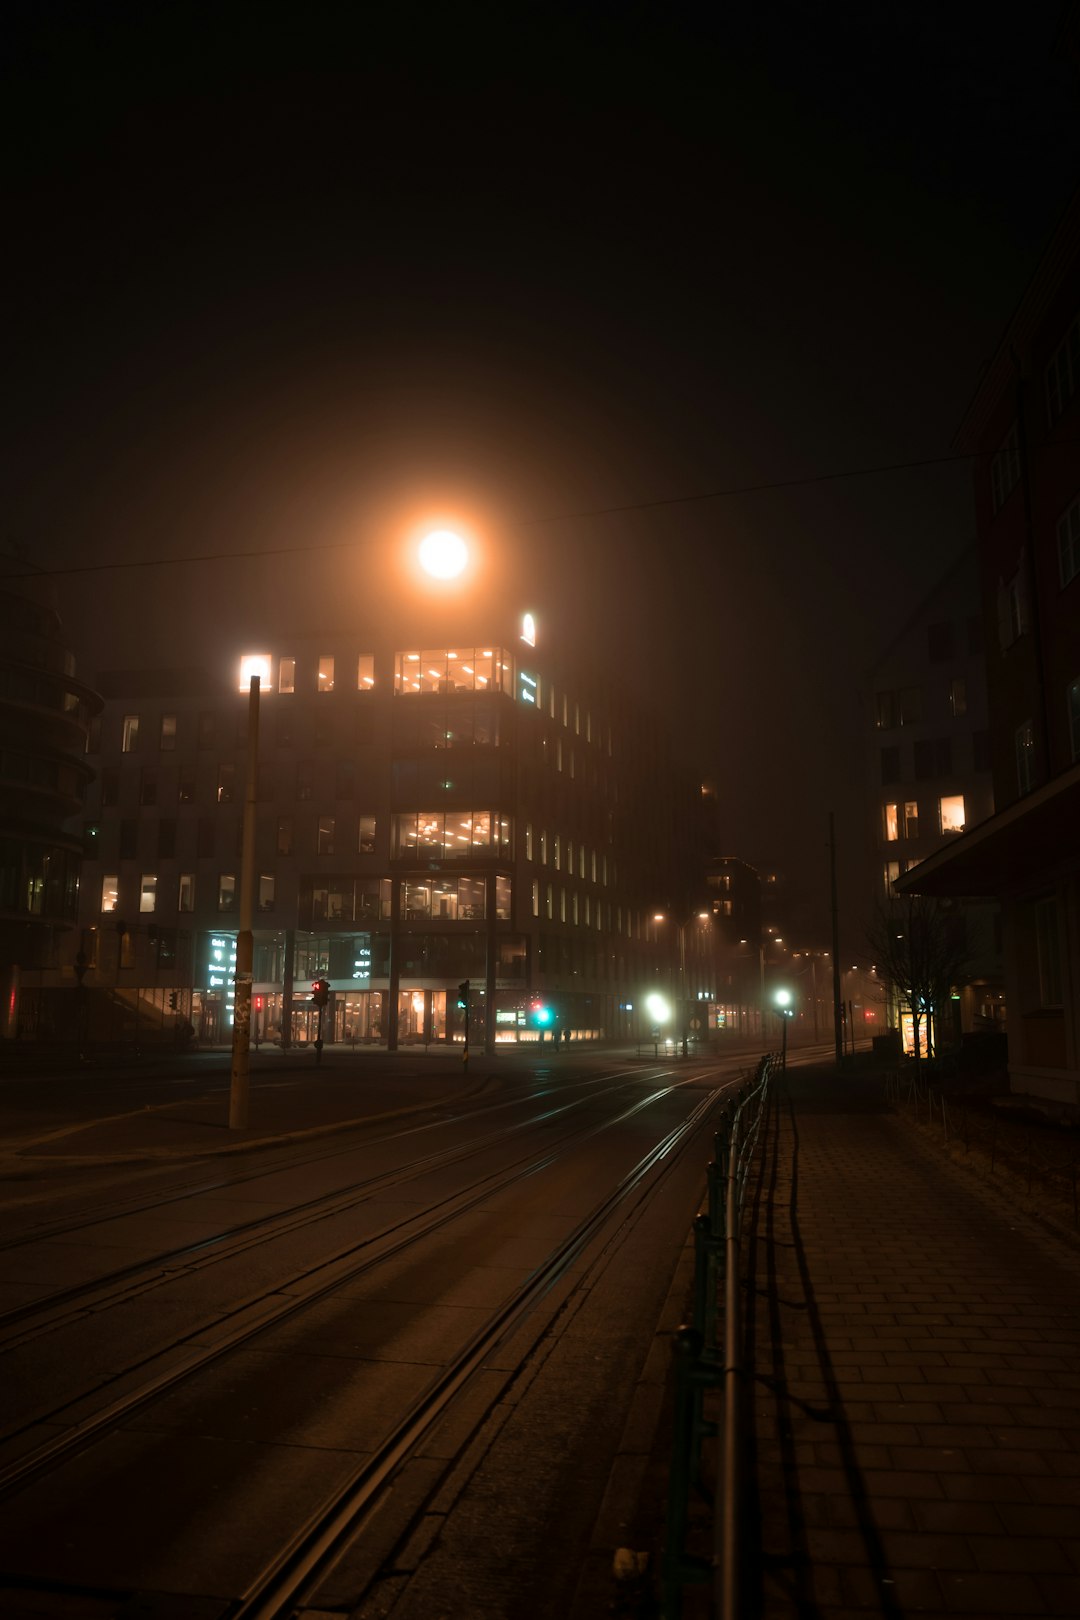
column 245, row 944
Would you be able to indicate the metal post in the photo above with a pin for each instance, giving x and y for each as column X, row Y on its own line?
column 245, row 949
column 838, row 1003
column 728, row 1570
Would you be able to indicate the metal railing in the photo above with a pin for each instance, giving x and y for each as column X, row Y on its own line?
column 1045, row 1157
column 708, row 1356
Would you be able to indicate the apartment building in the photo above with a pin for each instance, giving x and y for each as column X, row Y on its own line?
column 1021, row 430
column 428, row 812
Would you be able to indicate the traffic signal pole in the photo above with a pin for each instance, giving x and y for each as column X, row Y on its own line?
column 245, row 945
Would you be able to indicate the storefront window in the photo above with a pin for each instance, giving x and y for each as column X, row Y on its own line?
column 453, row 669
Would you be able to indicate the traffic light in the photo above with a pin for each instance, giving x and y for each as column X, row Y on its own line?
column 543, row 1016
column 172, row 1000
column 320, row 992
column 258, row 1003
column 463, row 996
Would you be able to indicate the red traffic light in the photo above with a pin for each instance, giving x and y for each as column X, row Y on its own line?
column 258, row 1003
column 320, row 992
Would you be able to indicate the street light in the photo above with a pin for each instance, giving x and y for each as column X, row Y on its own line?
column 443, row 554
column 658, row 1008
column 782, row 998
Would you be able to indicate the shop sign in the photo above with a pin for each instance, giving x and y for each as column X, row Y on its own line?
column 219, row 968
column 362, row 959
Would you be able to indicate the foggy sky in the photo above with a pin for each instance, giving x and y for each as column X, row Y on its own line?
column 286, row 276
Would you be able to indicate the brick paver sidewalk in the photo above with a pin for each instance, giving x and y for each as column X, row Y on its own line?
column 916, row 1394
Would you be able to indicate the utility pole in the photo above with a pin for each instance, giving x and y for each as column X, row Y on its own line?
column 245, row 945
column 838, row 1005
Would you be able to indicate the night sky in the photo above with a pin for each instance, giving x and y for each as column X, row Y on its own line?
column 295, row 276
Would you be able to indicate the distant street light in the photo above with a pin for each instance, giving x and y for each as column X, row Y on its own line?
column 782, row 998
column 443, row 554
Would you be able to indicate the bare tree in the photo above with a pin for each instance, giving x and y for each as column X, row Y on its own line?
column 919, row 951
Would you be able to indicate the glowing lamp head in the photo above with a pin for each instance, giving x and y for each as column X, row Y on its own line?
column 443, row 554
column 782, row 998
column 658, row 1007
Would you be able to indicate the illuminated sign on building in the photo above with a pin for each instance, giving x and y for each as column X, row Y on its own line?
column 362, row 960
column 528, row 629
column 527, row 687
column 219, row 969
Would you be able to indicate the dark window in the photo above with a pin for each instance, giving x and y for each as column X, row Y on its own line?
column 933, row 758
column 303, row 779
column 911, row 706
column 981, row 750
column 185, row 783
column 939, row 640
column 226, row 784
column 346, row 779
column 148, row 787
column 166, row 838
column 285, row 730
column 206, row 837
column 91, row 837
column 206, row 729
column 110, row 785
column 975, row 638
column 886, row 711
column 129, row 833
column 890, row 765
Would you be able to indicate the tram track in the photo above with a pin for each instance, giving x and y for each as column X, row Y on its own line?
column 290, row 1581
column 169, row 1365
column 30, row 1319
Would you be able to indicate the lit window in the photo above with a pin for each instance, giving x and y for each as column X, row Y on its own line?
column 130, row 735
column 1068, row 539
column 891, row 821
column 148, row 892
column 110, row 892
column 528, row 842
column 226, row 892
column 958, row 698
column 286, row 680
column 366, row 842
column 911, row 818
column 1024, row 739
column 326, row 675
column 324, row 838
column 168, row 733
column 502, row 898
column 185, row 898
column 892, row 872
column 266, row 891
column 536, row 897
column 365, row 672
column 549, row 900
column 951, row 809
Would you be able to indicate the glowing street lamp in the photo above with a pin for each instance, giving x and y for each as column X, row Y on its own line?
column 443, row 554
column 782, row 998
column 658, row 1008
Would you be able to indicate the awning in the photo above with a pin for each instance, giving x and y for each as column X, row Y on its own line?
column 1036, row 840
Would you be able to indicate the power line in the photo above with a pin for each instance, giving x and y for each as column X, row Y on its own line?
column 731, row 490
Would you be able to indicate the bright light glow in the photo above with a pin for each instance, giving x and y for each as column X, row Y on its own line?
column 658, row 1007
column 443, row 554
column 658, row 916
column 782, row 998
column 255, row 664
column 528, row 629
